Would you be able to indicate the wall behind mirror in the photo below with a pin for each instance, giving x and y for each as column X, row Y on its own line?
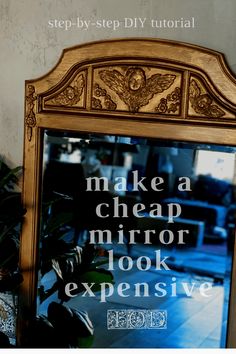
column 154, row 221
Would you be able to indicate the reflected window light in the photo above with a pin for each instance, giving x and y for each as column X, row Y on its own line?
column 219, row 165
column 74, row 157
column 78, row 140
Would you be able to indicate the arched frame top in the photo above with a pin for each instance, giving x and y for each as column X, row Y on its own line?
column 143, row 87
column 139, row 78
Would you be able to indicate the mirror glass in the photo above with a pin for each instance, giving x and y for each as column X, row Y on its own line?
column 136, row 241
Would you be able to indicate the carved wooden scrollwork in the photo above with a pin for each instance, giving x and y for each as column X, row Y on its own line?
column 104, row 100
column 96, row 103
column 71, row 95
column 30, row 119
column 171, row 103
column 203, row 103
column 133, row 87
column 158, row 89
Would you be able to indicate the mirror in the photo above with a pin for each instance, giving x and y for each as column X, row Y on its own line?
column 129, row 187
column 138, row 233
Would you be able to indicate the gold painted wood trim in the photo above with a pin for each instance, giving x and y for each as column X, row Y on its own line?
column 30, row 232
column 186, row 132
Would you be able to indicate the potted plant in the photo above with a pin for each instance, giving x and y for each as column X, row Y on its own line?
column 11, row 212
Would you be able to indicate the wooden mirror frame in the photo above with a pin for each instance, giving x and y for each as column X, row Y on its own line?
column 112, row 87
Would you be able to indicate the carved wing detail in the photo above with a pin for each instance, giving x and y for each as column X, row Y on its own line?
column 115, row 81
column 133, row 88
column 157, row 83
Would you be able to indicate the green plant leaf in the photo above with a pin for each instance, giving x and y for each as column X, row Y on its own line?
column 98, row 264
column 58, row 221
column 11, row 176
column 11, row 212
column 97, row 277
column 9, row 197
column 6, row 231
column 85, row 342
column 5, row 262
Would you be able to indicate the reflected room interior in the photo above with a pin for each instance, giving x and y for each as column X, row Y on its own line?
column 70, row 218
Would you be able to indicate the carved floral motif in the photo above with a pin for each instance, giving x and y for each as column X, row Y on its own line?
column 108, row 103
column 71, row 94
column 203, row 103
column 171, row 103
column 134, row 88
column 30, row 119
column 96, row 103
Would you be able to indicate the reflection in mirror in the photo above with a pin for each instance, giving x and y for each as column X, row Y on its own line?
column 136, row 235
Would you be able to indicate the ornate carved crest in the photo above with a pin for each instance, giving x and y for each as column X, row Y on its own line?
column 152, row 89
column 71, row 95
column 171, row 103
column 107, row 103
column 30, row 119
column 133, row 87
column 202, row 103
